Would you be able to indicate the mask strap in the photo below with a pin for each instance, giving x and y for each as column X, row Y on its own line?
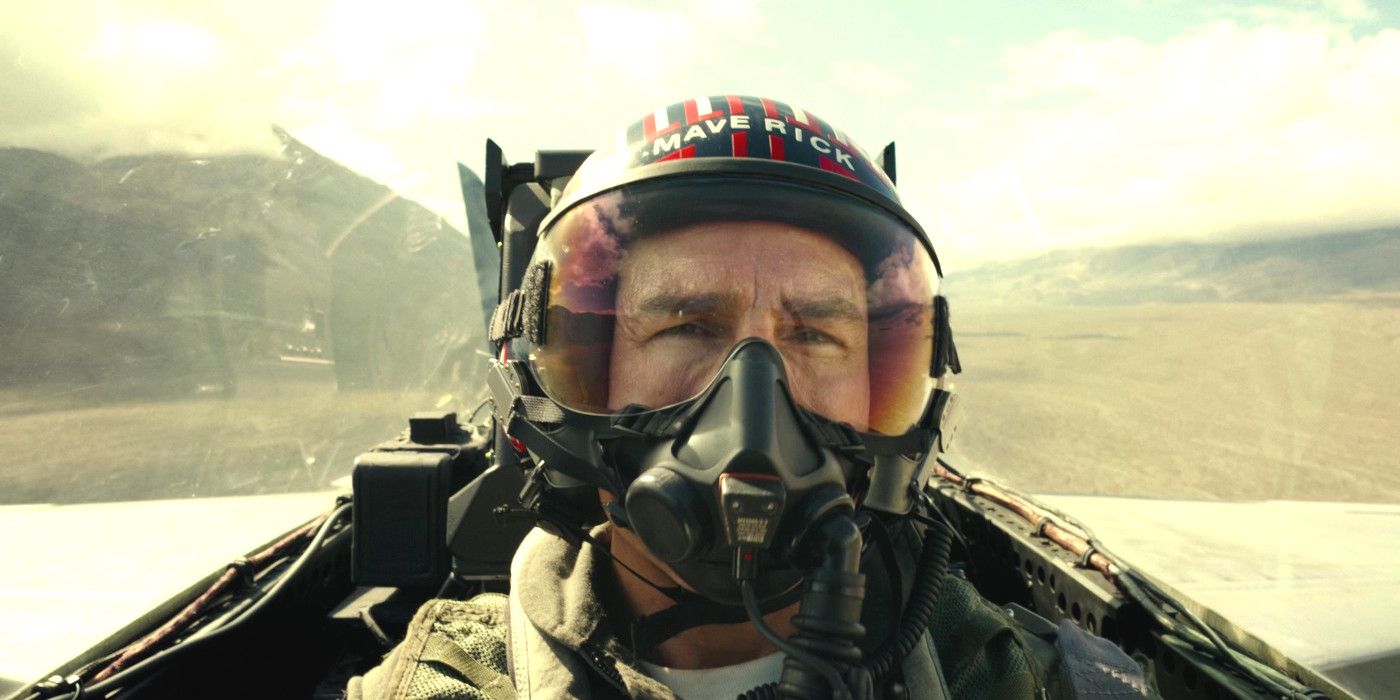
column 692, row 610
column 576, row 536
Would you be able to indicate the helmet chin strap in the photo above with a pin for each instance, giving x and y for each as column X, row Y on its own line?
column 692, row 610
column 688, row 609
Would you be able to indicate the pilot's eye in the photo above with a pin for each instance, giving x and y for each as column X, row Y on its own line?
column 812, row 336
column 688, row 330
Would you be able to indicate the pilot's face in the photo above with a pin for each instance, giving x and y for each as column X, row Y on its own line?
column 685, row 297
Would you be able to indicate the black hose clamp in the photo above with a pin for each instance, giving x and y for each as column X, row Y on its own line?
column 968, row 483
column 1088, row 554
column 244, row 567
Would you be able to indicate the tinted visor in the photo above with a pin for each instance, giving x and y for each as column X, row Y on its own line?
column 653, row 284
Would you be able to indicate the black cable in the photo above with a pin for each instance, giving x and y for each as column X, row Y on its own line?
column 471, row 419
column 928, row 584
column 884, row 541
column 43, row 689
column 825, row 670
column 157, row 660
column 1204, row 639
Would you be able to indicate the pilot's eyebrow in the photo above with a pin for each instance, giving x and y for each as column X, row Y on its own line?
column 839, row 308
column 672, row 304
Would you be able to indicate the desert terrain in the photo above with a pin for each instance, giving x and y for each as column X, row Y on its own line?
column 1220, row 401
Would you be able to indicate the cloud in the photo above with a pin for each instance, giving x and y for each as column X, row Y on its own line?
column 134, row 78
column 641, row 43
column 383, row 90
column 1247, row 123
column 636, row 54
column 397, row 92
column 876, row 81
column 1227, row 129
column 1348, row 11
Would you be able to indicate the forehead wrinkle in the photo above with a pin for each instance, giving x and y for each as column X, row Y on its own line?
column 673, row 303
column 795, row 263
column 811, row 295
column 753, row 298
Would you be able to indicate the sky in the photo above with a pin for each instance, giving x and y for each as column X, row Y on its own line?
column 1021, row 127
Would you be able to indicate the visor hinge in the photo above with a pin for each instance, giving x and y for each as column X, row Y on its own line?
column 945, row 351
column 506, row 319
column 522, row 311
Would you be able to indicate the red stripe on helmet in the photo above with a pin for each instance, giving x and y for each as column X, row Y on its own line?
column 770, row 109
column 806, row 120
column 649, row 130
column 692, row 111
column 775, row 148
column 741, row 144
column 832, row 166
column 840, row 139
column 687, row 152
column 736, row 105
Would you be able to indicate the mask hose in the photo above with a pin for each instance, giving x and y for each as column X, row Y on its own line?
column 823, row 660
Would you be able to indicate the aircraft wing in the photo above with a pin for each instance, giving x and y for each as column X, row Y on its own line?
column 1319, row 582
column 72, row 575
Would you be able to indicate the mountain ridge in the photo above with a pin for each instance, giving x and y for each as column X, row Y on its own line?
column 1343, row 266
column 148, row 265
